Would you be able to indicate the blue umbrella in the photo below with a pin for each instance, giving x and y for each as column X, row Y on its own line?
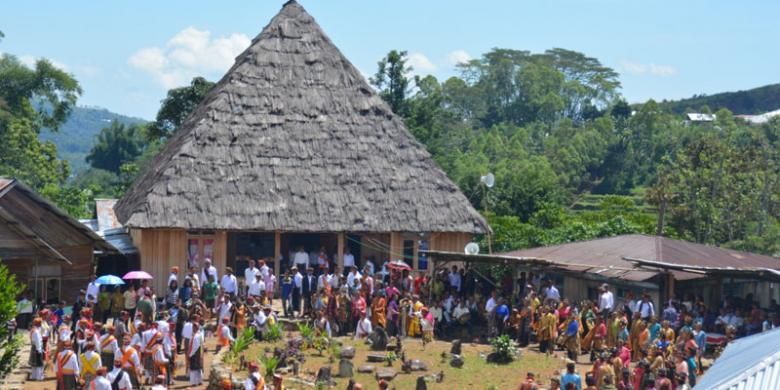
column 109, row 279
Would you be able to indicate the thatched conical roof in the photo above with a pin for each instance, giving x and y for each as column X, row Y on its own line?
column 294, row 139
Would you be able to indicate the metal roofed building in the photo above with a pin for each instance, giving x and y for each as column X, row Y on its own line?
column 750, row 363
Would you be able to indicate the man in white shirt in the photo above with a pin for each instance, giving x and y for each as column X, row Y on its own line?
column 349, row 260
column 250, row 272
column 354, row 275
column 553, row 295
column 229, row 282
column 491, row 304
column 323, row 280
column 369, row 268
column 93, row 289
column 208, row 270
column 363, row 328
column 255, row 380
column 256, row 287
column 460, row 311
column 100, row 382
column 297, row 290
column 606, row 301
column 301, row 259
column 120, row 377
column 454, row 279
column 645, row 308
column 174, row 275
column 335, row 279
column 264, row 268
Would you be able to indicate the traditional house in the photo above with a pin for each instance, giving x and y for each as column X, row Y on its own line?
column 292, row 148
column 660, row 266
column 44, row 247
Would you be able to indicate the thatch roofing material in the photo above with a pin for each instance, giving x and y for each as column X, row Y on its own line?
column 294, row 139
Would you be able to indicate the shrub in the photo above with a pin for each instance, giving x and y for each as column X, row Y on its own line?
column 273, row 332
column 503, row 349
column 307, row 333
column 269, row 365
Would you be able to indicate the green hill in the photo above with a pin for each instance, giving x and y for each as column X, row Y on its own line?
column 750, row 102
column 75, row 138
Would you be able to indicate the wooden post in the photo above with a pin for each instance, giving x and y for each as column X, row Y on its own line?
column 669, row 286
column 416, row 260
column 340, row 250
column 396, row 246
column 277, row 259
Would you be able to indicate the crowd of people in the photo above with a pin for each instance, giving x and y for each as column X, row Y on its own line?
column 124, row 338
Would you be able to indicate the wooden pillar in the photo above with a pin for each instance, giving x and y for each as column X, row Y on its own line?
column 669, row 286
column 340, row 250
column 277, row 259
column 415, row 259
column 396, row 246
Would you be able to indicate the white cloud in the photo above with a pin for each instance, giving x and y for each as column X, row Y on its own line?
column 638, row 68
column 458, row 57
column 420, row 64
column 189, row 53
column 30, row 61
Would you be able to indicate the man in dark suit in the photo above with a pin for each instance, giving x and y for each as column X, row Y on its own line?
column 309, row 288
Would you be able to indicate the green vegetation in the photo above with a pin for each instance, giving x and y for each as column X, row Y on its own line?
column 752, row 101
column 9, row 347
column 503, row 349
column 573, row 162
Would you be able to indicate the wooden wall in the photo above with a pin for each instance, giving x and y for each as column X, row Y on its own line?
column 161, row 249
column 73, row 277
column 451, row 242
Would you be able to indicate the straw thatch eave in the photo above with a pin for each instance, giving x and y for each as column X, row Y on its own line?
column 294, row 139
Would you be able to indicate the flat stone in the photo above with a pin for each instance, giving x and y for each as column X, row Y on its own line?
column 347, row 352
column 366, row 369
column 386, row 373
column 376, row 357
column 418, row 365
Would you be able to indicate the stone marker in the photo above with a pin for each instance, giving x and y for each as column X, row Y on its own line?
column 386, row 373
column 376, row 357
column 421, row 384
column 347, row 352
column 366, row 369
column 378, row 339
column 345, row 368
column 457, row 361
column 456, row 347
column 323, row 375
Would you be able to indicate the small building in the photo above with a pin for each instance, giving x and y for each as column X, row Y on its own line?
column 108, row 228
column 293, row 148
column 697, row 117
column 43, row 246
column 660, row 266
column 751, row 363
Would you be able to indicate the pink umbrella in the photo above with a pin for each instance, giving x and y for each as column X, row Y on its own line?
column 399, row 265
column 137, row 275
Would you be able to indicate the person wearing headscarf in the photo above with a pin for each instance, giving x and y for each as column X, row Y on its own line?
column 195, row 355
column 36, row 359
column 119, row 378
column 67, row 367
column 130, row 361
column 108, row 346
column 100, row 382
column 378, row 310
column 89, row 362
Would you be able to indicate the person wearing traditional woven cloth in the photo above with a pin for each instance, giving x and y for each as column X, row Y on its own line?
column 195, row 355
column 67, row 368
column 36, row 350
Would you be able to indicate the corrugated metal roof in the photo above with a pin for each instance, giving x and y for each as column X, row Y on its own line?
column 613, row 251
column 750, row 363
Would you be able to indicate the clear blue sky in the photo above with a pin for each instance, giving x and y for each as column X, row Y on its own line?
column 126, row 54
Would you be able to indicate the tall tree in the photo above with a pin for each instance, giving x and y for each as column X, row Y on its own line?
column 392, row 80
column 116, row 145
column 177, row 106
column 31, row 99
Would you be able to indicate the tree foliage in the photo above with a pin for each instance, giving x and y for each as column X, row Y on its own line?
column 9, row 347
column 392, row 81
column 177, row 106
column 116, row 145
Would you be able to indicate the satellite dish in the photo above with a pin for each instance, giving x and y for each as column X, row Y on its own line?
column 489, row 180
column 472, row 248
